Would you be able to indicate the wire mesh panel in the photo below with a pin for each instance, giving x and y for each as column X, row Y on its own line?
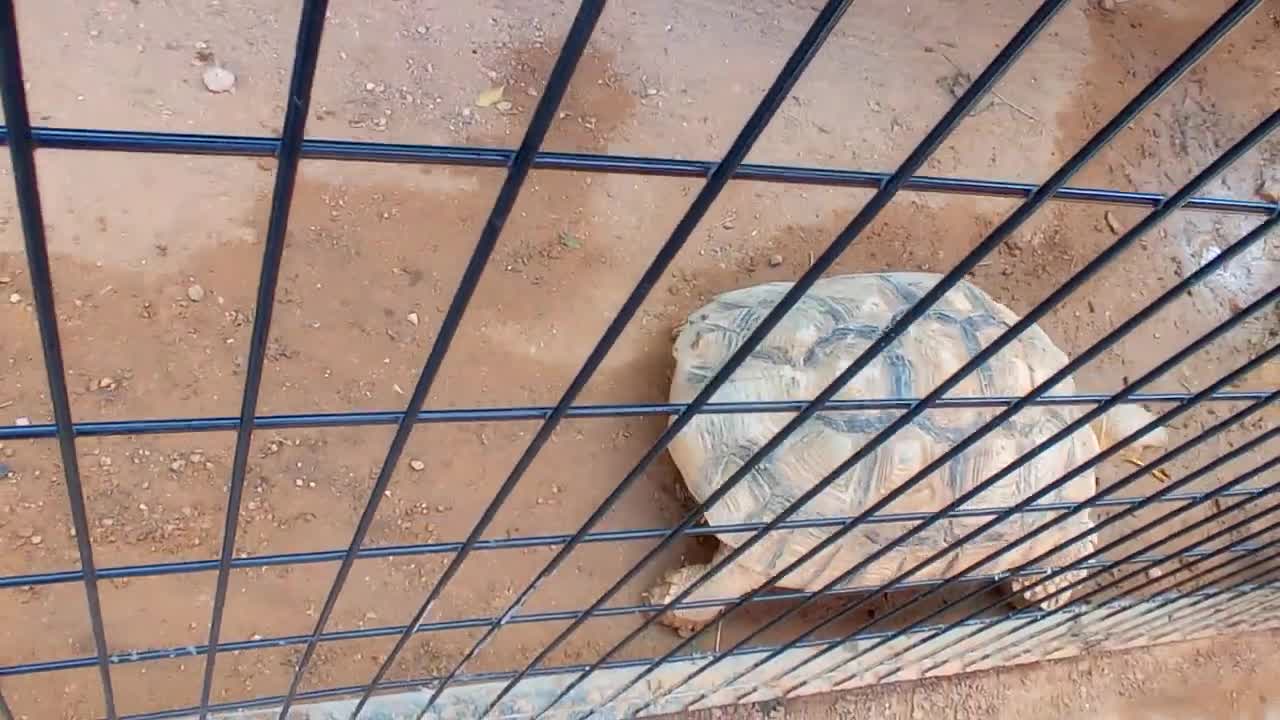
column 1108, row 548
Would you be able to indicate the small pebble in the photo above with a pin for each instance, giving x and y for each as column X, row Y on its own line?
column 504, row 106
column 775, row 261
column 196, row 457
column 104, row 461
column 14, row 298
column 219, row 79
column 297, row 482
column 413, row 319
column 1112, row 222
column 196, row 293
column 35, row 539
column 23, row 421
column 105, row 383
column 417, row 465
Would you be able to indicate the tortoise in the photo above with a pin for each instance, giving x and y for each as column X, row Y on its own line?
column 821, row 336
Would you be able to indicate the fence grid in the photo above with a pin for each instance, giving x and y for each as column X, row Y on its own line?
column 1203, row 598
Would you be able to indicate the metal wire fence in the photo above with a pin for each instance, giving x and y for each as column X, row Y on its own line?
column 1127, row 597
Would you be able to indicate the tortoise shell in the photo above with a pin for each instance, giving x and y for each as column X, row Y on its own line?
column 821, row 336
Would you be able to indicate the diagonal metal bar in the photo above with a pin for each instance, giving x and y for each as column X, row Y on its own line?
column 1087, row 356
column 134, row 141
column 1147, row 95
column 27, row 190
column 544, row 114
column 820, row 29
column 860, row 222
column 950, row 581
column 1099, row 552
column 1126, row 537
column 1222, row 533
column 310, row 30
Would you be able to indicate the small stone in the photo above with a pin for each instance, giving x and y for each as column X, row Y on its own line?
column 1269, row 191
column 1154, row 573
column 413, row 319
column 219, row 79
column 14, row 298
column 421, row 29
column 104, row 461
column 177, row 465
column 417, row 465
column 1112, row 222
column 195, row 293
column 23, row 421
column 504, row 106
column 35, row 539
column 196, row 457
column 105, row 383
column 298, row 482
column 775, row 260
column 441, row 508
column 8, row 452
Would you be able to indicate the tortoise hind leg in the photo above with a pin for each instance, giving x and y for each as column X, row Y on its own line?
column 730, row 582
column 1027, row 596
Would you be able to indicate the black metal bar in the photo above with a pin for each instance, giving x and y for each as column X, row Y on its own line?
column 132, row 141
column 1087, row 356
column 995, row 582
column 1204, row 470
column 1226, row 532
column 821, row 27
column 393, row 684
column 1126, row 537
column 307, row 51
column 185, row 651
column 110, row 428
column 27, row 190
column 860, row 222
column 543, row 116
column 1133, row 591
column 1231, row 614
column 529, row 541
column 1113, row 127
column 471, row 623
column 1164, row 603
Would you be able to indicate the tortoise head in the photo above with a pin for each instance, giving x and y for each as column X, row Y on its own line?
column 1122, row 421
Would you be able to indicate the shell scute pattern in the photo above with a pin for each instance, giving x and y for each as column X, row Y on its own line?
column 831, row 326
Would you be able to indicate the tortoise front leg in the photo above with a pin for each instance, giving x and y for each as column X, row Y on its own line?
column 727, row 584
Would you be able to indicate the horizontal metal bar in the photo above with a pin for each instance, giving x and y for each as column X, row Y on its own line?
column 353, row 150
column 133, row 656
column 498, row 676
column 539, row 412
column 531, row 541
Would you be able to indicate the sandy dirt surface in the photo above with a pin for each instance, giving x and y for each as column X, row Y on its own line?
column 156, row 259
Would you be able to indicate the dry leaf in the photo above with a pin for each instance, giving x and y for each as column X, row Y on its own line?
column 1160, row 475
column 1135, row 461
column 490, row 97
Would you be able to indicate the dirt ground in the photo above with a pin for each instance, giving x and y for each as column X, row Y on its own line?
column 374, row 253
